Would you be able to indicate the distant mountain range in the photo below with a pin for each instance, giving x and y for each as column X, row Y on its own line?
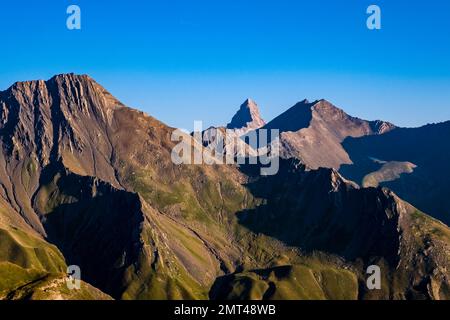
column 87, row 181
column 409, row 161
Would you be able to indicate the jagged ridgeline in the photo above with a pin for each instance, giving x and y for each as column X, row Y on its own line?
column 88, row 181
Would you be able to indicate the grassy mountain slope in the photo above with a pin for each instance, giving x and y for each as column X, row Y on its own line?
column 364, row 226
column 80, row 170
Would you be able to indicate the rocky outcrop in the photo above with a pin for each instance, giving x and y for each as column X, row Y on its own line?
column 313, row 132
column 247, row 117
column 87, row 181
column 318, row 210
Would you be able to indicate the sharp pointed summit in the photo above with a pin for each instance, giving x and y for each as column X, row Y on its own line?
column 247, row 117
column 87, row 180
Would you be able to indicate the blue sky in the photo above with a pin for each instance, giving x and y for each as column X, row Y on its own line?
column 182, row 61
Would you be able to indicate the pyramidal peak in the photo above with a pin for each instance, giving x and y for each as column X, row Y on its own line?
column 249, row 103
column 247, row 117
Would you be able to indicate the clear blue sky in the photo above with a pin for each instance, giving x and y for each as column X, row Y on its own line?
column 186, row 60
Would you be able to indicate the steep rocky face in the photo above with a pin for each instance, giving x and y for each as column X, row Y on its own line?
column 96, row 226
column 88, row 181
column 66, row 117
column 67, row 136
column 224, row 142
column 247, row 117
column 313, row 132
column 426, row 148
column 319, row 210
column 310, row 131
column 113, row 235
column 323, row 206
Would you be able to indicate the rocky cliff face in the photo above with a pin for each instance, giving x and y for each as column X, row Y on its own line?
column 65, row 118
column 313, row 132
column 247, row 117
column 88, row 181
column 318, row 210
column 76, row 164
column 310, row 131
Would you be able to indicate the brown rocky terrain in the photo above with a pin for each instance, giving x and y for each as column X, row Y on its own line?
column 86, row 180
column 313, row 132
column 310, row 131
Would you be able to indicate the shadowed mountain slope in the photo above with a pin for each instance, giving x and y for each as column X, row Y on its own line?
column 87, row 181
column 247, row 117
column 426, row 186
column 313, row 132
column 318, row 210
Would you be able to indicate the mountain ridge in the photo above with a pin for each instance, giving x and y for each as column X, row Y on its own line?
column 92, row 181
column 314, row 131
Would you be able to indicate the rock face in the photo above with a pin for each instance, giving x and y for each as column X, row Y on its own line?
column 68, row 149
column 42, row 121
column 426, row 186
column 313, row 132
column 318, row 210
column 247, row 117
column 87, row 181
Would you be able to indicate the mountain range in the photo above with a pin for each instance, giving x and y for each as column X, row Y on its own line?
column 88, row 181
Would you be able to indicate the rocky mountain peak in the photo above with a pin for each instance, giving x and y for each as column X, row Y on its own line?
column 248, row 116
column 74, row 166
column 67, row 88
column 323, row 106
